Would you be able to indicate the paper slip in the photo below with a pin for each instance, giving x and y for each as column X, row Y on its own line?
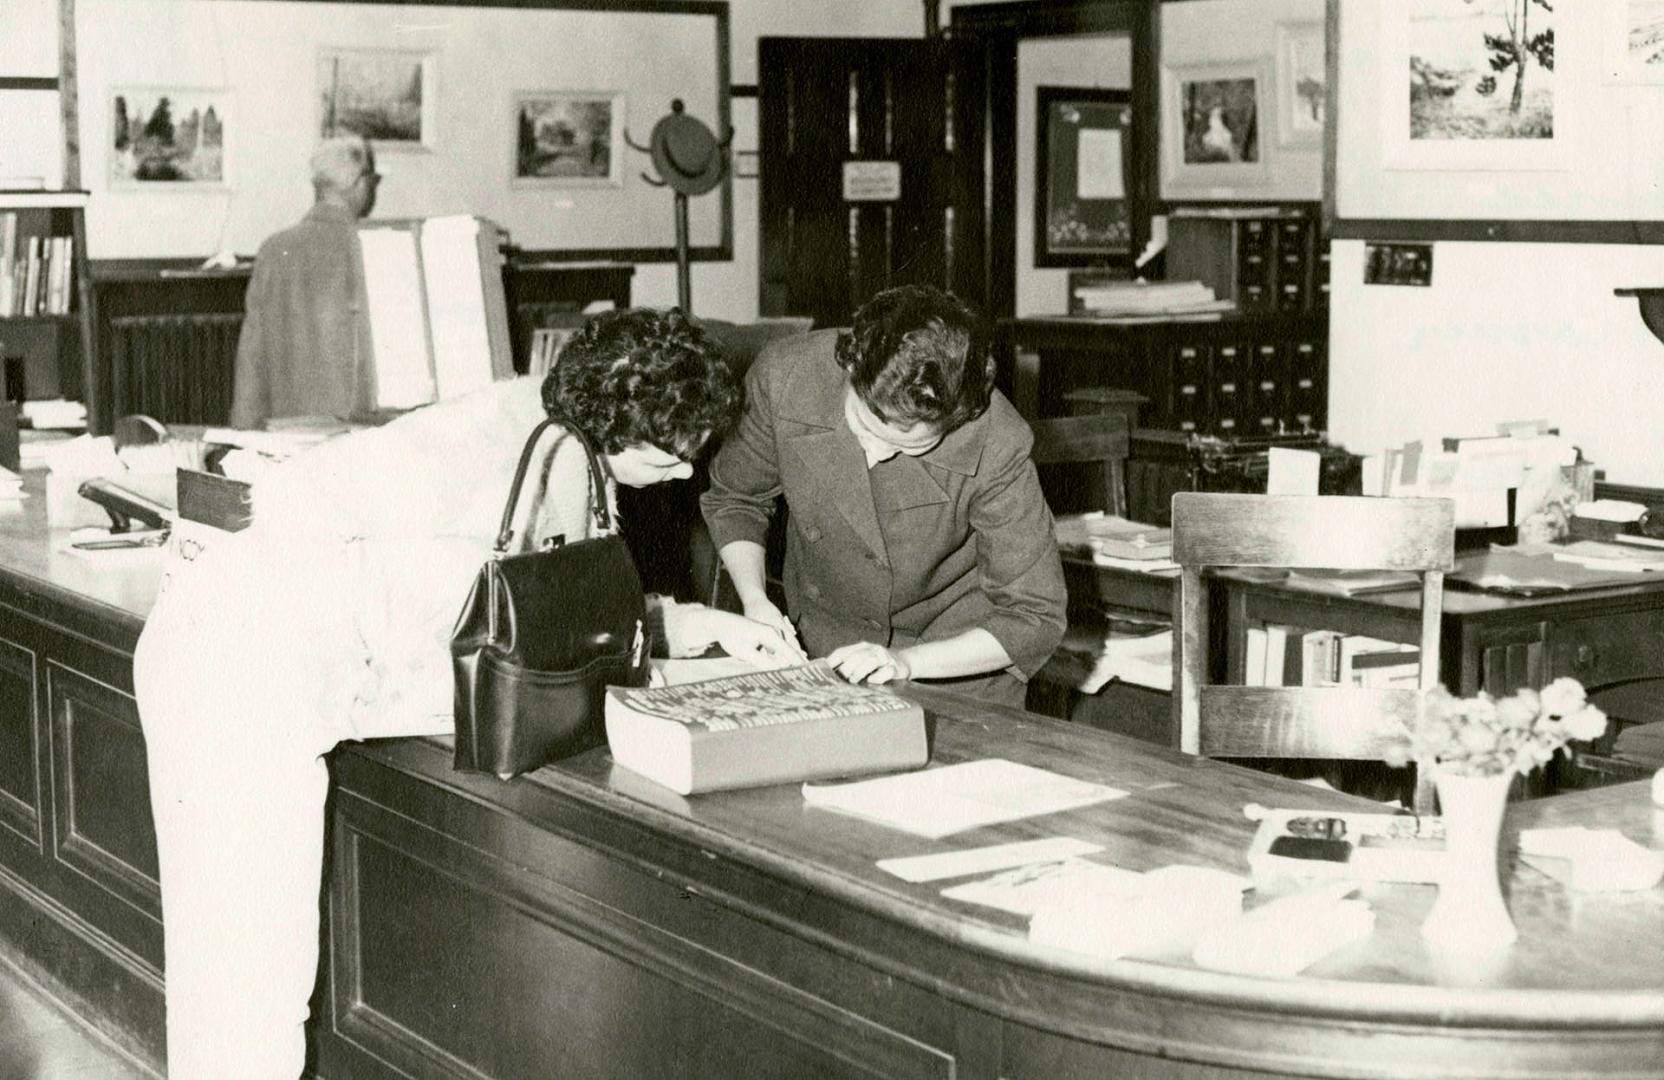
column 939, row 802
column 1292, row 472
column 981, row 860
column 1027, row 889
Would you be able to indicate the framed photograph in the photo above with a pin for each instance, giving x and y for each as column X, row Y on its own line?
column 1082, row 145
column 1212, row 130
column 385, row 95
column 1634, row 41
column 1302, row 84
column 566, row 138
column 1472, row 84
column 171, row 137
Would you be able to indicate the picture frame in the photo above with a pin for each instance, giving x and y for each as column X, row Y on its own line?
column 386, row 95
column 169, row 138
column 1302, row 84
column 568, row 138
column 1083, row 149
column 1213, row 125
column 1445, row 103
column 1633, row 42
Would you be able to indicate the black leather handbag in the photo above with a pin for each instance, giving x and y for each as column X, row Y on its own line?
column 541, row 637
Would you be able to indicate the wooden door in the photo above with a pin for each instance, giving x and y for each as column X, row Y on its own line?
column 867, row 178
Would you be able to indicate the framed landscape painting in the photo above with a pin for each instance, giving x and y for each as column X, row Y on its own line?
column 168, row 137
column 1634, row 35
column 1472, row 84
column 385, row 95
column 567, row 138
column 1213, row 125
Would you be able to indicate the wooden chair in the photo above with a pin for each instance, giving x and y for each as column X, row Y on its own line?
column 1087, row 440
column 1301, row 532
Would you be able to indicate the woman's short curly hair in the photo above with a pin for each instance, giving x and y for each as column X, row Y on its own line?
column 644, row 376
column 916, row 354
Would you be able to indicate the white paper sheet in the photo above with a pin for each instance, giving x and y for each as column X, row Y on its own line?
column 1099, row 164
column 398, row 330
column 456, row 304
column 947, row 864
column 1292, row 472
column 939, row 802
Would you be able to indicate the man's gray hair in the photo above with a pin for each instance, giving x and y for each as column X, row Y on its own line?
column 339, row 161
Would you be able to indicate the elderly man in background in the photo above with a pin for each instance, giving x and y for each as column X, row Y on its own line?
column 302, row 351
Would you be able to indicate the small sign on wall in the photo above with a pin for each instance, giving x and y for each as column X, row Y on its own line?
column 1398, row 264
column 872, row 181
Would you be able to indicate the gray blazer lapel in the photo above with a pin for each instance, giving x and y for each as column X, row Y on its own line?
column 911, row 483
column 835, row 459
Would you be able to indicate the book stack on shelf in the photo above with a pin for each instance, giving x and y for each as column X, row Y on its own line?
column 35, row 270
column 1146, row 299
column 1278, row 655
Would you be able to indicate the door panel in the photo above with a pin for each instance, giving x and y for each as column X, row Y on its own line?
column 823, row 102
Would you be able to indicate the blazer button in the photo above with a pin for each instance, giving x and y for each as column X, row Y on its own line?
column 812, row 533
column 813, row 590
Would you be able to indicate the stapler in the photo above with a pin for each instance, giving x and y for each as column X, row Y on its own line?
column 129, row 513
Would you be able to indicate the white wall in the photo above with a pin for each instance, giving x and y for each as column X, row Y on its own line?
column 31, row 132
column 1101, row 62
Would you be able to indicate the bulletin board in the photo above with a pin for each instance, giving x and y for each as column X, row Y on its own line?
column 517, row 111
column 1496, row 120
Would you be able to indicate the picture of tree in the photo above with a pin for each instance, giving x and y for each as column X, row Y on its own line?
column 383, row 95
column 167, row 136
column 1221, row 120
column 568, row 138
column 1481, row 69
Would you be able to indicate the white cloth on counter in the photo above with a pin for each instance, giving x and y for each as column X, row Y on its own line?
column 1592, row 860
column 1166, row 912
column 1287, row 935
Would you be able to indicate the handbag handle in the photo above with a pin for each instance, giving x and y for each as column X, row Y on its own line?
column 597, row 479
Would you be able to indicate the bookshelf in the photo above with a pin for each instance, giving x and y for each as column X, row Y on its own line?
column 45, row 309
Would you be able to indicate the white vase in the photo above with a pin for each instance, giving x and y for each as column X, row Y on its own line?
column 1470, row 912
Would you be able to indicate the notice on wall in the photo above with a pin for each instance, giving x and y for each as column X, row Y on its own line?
column 1100, row 168
column 872, row 181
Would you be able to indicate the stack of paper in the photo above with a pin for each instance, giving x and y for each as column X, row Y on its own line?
column 1132, row 298
column 57, row 415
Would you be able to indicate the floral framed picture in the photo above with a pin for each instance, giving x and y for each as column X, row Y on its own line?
column 566, row 138
column 1213, row 125
column 1082, row 139
column 1472, row 84
column 1302, row 84
column 385, row 95
column 169, row 137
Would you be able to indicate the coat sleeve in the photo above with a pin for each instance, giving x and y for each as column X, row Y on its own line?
column 1016, row 550
column 250, row 401
column 745, row 474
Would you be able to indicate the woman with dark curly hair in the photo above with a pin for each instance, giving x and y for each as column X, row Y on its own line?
column 920, row 545
column 329, row 618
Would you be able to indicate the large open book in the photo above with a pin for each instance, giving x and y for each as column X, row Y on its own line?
column 434, row 306
column 763, row 727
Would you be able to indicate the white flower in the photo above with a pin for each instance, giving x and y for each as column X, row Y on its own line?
column 1563, row 696
column 1586, row 723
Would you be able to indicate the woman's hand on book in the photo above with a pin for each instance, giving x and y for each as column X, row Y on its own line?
column 863, row 661
column 756, row 642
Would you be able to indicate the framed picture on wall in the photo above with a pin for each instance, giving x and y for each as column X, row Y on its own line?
column 1212, row 130
column 1082, row 144
column 566, row 138
column 1473, row 85
column 1302, row 84
column 169, row 137
column 1634, row 41
column 385, row 95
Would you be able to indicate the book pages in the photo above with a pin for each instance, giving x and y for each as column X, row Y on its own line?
column 398, row 330
column 456, row 304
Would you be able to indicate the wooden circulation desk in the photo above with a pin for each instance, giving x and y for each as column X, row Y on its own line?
column 583, row 922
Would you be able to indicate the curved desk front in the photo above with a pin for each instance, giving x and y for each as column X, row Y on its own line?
column 584, row 922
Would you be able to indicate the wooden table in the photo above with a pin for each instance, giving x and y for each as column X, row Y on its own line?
column 583, row 922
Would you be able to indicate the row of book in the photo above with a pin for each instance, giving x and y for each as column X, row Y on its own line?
column 35, row 271
column 1278, row 655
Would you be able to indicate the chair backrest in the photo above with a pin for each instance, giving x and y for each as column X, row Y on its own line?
column 1304, row 532
column 1088, row 440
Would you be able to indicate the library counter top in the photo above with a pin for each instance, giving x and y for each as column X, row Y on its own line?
column 544, row 926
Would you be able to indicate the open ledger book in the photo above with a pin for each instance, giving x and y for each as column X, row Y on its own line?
column 762, row 727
